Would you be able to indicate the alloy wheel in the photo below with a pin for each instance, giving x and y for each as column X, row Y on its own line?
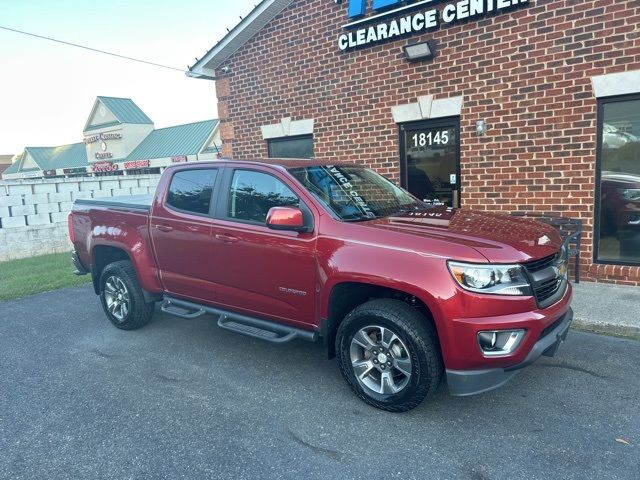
column 380, row 360
column 117, row 298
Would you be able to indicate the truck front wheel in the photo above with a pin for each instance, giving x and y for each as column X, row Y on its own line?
column 389, row 355
column 122, row 298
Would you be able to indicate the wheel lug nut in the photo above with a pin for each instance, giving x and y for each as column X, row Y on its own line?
column 382, row 366
column 389, row 363
column 375, row 361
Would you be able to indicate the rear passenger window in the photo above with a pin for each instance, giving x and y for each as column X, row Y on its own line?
column 191, row 190
column 254, row 193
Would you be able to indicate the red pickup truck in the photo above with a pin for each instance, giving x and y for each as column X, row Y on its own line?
column 401, row 292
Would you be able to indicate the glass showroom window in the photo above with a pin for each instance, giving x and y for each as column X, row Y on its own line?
column 617, row 238
column 291, row 147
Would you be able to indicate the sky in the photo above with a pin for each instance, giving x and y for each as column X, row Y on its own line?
column 47, row 90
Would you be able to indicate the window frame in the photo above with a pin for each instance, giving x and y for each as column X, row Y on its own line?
column 293, row 137
column 225, row 196
column 598, row 190
column 212, row 199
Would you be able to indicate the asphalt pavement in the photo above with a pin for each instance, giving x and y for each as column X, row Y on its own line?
column 184, row 399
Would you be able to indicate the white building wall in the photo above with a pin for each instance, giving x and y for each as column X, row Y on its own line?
column 132, row 136
column 33, row 213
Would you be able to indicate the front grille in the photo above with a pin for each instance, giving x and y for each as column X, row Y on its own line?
column 546, row 290
column 546, row 279
column 541, row 264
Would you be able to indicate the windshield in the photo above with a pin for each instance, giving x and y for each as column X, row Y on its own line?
column 355, row 193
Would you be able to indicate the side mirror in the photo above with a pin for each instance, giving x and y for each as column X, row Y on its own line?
column 286, row 218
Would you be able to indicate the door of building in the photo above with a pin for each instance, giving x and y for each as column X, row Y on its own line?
column 430, row 160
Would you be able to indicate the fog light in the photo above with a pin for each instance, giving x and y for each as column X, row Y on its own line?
column 499, row 342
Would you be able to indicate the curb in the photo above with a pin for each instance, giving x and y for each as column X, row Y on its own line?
column 616, row 330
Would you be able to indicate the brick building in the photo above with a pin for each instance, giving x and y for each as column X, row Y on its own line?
column 504, row 105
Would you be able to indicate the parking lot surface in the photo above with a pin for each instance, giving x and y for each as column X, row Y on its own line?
column 184, row 399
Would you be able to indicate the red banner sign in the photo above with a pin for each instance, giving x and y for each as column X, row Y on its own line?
column 103, row 167
column 49, row 173
column 136, row 164
column 179, row 159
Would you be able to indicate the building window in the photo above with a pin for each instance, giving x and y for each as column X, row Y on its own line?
column 253, row 194
column 617, row 236
column 291, row 147
column 190, row 190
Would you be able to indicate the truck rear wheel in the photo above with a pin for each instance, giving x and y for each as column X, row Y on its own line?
column 389, row 355
column 122, row 298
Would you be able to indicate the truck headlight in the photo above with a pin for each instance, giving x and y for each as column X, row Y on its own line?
column 492, row 279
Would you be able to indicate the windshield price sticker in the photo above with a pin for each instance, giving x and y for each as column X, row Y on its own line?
column 347, row 187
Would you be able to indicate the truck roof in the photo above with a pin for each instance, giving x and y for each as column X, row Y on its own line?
column 285, row 163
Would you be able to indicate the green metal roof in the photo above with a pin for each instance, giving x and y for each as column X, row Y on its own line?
column 66, row 156
column 125, row 110
column 162, row 143
column 13, row 168
column 173, row 141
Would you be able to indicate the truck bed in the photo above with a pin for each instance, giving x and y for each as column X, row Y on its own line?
column 137, row 202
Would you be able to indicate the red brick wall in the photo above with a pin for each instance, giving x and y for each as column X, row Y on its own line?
column 527, row 73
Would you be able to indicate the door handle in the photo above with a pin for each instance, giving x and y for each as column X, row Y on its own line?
column 227, row 238
column 164, row 228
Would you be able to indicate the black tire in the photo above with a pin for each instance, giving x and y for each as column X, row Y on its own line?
column 138, row 312
column 419, row 339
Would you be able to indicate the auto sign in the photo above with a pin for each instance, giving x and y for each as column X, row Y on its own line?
column 102, row 167
column 136, row 164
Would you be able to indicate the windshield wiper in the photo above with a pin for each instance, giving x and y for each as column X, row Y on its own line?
column 363, row 218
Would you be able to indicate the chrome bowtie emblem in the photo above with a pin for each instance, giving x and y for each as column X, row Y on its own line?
column 544, row 240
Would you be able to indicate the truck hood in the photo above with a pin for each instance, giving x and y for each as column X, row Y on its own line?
column 499, row 238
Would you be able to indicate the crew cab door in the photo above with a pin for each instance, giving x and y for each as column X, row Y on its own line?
column 262, row 271
column 180, row 228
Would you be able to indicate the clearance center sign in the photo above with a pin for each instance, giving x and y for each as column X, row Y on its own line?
column 411, row 18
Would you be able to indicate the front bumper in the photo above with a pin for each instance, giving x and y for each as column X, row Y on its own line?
column 471, row 382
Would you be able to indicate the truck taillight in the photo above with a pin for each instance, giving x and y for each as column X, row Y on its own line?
column 72, row 234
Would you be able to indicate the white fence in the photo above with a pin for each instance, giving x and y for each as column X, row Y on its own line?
column 33, row 213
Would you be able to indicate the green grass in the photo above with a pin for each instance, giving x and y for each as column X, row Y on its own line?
column 20, row 278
